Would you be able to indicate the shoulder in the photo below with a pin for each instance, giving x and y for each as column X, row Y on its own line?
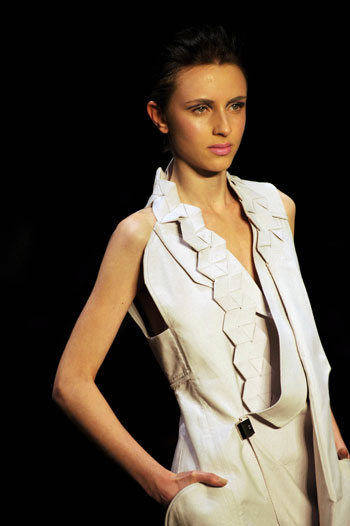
column 279, row 202
column 290, row 208
column 133, row 232
column 289, row 204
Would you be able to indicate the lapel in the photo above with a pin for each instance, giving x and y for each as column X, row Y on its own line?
column 276, row 245
column 213, row 258
column 294, row 296
column 201, row 253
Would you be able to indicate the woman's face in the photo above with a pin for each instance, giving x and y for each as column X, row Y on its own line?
column 194, row 125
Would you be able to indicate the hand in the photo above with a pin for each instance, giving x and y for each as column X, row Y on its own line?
column 178, row 481
column 343, row 452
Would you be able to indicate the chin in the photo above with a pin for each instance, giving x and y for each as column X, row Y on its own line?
column 213, row 167
column 221, row 162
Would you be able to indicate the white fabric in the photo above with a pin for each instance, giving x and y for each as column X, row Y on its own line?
column 202, row 292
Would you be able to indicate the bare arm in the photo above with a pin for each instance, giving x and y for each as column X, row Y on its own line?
column 342, row 450
column 74, row 387
column 75, row 390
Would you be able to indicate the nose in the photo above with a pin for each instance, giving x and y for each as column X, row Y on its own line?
column 222, row 124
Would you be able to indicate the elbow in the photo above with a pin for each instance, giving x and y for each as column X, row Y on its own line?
column 58, row 390
column 62, row 387
column 66, row 386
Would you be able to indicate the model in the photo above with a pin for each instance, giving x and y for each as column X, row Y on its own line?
column 209, row 272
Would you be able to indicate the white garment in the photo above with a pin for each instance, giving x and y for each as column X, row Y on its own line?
column 204, row 295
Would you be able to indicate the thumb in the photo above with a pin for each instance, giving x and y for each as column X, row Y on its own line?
column 212, row 479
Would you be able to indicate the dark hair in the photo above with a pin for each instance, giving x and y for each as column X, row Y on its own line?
column 192, row 46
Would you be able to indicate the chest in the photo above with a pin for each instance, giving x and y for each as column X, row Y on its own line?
column 235, row 228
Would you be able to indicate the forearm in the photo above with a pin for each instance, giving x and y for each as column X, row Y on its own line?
column 85, row 405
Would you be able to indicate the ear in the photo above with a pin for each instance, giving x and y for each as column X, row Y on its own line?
column 157, row 117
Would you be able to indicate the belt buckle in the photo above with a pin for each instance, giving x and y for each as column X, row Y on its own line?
column 245, row 428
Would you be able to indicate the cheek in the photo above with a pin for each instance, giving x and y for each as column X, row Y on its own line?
column 243, row 126
column 240, row 125
column 183, row 129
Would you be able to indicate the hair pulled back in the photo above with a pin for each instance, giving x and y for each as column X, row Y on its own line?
column 192, row 46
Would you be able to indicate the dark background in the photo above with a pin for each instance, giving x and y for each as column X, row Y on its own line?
column 83, row 155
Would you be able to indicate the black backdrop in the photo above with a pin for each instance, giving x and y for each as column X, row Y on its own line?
column 83, row 155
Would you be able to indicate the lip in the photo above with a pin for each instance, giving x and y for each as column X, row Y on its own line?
column 221, row 149
column 222, row 145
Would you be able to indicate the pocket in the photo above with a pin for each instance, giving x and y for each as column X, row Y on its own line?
column 201, row 505
column 173, row 501
column 344, row 466
column 341, row 508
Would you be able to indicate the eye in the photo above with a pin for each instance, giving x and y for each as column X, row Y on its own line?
column 198, row 108
column 237, row 106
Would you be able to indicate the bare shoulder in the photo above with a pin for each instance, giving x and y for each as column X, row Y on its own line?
column 288, row 202
column 290, row 208
column 133, row 232
column 120, row 264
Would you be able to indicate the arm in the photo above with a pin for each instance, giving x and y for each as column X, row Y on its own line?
column 74, row 387
column 75, row 390
column 342, row 450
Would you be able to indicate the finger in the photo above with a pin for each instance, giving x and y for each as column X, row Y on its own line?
column 343, row 453
column 211, row 479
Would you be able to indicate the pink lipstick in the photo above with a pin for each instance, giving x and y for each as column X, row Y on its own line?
column 221, row 149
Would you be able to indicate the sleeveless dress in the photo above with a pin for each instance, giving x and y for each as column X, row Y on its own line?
column 229, row 353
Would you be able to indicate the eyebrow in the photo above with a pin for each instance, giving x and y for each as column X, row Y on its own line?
column 208, row 101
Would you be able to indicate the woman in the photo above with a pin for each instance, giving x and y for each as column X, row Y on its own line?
column 208, row 270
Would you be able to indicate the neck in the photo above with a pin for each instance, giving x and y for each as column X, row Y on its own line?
column 205, row 190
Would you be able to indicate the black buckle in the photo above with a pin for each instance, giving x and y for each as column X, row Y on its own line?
column 245, row 428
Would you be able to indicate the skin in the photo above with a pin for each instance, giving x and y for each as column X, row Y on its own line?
column 201, row 181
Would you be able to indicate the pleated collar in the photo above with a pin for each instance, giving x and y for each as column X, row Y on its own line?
column 212, row 249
